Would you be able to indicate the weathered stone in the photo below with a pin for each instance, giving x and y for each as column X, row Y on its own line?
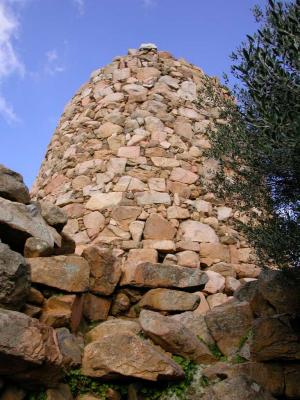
column 175, row 212
column 94, row 223
column 224, row 269
column 129, row 151
column 237, row 388
column 13, row 393
column 121, row 304
column 125, row 354
column 163, row 275
column 275, row 338
column 96, row 308
column 35, row 247
column 229, row 324
column 105, row 270
column 146, row 73
column 137, row 256
column 19, row 221
column 14, row 279
column 188, row 258
column 124, row 215
column 211, row 253
column 59, row 311
column 12, row 186
column 136, row 229
column 174, row 337
column 157, row 227
column 161, row 245
column 61, row 392
column 108, row 129
column 224, row 213
column 216, row 282
column 169, row 300
column 203, row 307
column 54, row 215
column 69, row 273
column 217, row 299
column 291, row 380
column 28, row 349
column 69, row 346
column 152, row 197
column 100, row 201
column 183, row 176
column 196, row 324
column 112, row 327
column 195, row 231
column 231, row 284
column 35, row 296
column 246, row 270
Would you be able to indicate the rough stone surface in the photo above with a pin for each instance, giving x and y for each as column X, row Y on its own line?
column 69, row 273
column 19, row 221
column 105, row 269
column 125, row 354
column 12, row 186
column 174, row 337
column 163, row 275
column 111, row 327
column 28, row 349
column 275, row 338
column 228, row 324
column 169, row 300
column 14, row 279
column 237, row 388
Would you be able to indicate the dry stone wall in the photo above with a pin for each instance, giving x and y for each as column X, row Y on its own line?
column 126, row 163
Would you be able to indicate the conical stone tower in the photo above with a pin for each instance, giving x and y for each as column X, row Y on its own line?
column 126, row 163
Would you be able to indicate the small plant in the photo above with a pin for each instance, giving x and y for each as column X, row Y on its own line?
column 171, row 389
column 217, row 352
column 37, row 395
column 80, row 384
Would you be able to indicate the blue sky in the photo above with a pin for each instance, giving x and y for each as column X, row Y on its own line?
column 48, row 49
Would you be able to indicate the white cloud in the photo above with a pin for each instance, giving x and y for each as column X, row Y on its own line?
column 10, row 63
column 149, row 3
column 53, row 63
column 7, row 111
column 80, row 6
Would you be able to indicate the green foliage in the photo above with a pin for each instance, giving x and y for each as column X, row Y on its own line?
column 37, row 395
column 216, row 352
column 154, row 392
column 238, row 359
column 260, row 144
column 80, row 384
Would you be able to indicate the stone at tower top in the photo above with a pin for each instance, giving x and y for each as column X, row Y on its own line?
column 148, row 46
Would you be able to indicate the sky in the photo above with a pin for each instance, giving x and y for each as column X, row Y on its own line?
column 48, row 48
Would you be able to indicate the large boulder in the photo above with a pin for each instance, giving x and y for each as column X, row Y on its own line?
column 229, row 324
column 112, row 327
column 196, row 324
column 105, row 269
column 28, row 350
column 169, row 300
column 12, row 186
column 19, row 222
column 69, row 273
column 14, row 279
column 174, row 337
column 163, row 275
column 54, row 215
column 237, row 388
column 275, row 338
column 125, row 354
column 60, row 311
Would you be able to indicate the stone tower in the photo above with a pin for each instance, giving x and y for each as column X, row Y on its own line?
column 126, row 163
